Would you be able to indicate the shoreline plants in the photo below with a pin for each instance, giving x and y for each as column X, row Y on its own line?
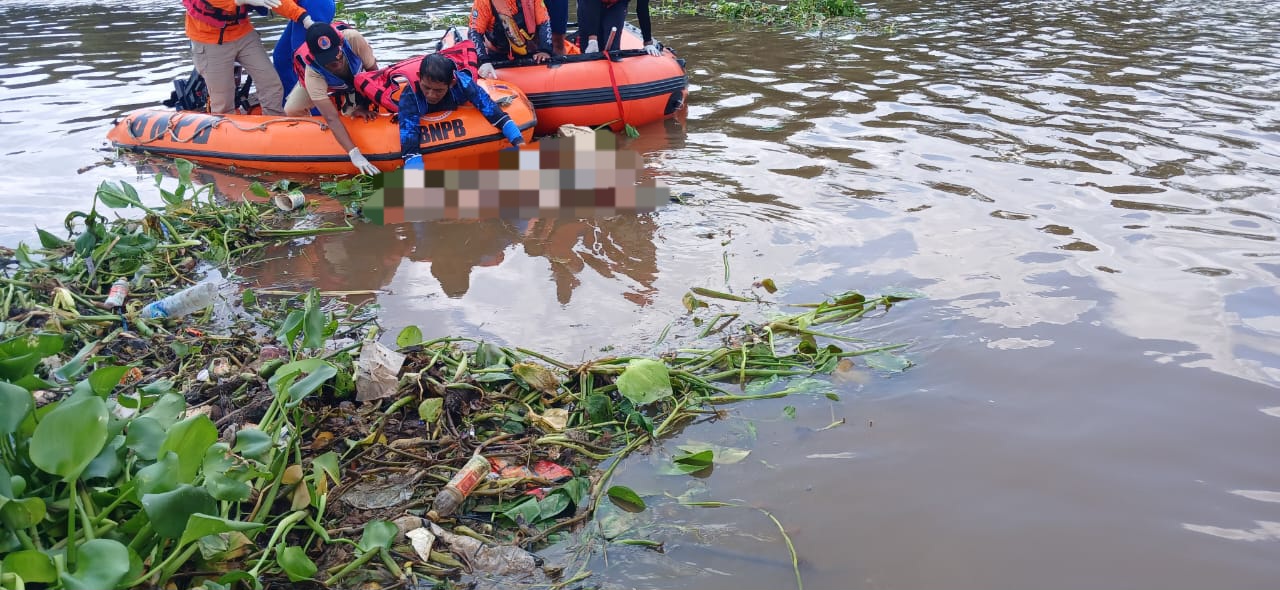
column 273, row 439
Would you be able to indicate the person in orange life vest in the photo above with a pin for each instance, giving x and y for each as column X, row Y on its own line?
column 441, row 87
column 598, row 18
column 509, row 29
column 335, row 57
column 221, row 35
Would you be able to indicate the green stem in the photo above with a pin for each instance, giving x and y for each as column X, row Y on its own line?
column 359, row 561
column 71, row 525
column 282, row 528
column 85, row 516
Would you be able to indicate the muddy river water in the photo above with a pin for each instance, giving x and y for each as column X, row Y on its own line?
column 1087, row 194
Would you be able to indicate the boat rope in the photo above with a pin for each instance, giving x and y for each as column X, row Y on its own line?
column 613, row 80
column 170, row 133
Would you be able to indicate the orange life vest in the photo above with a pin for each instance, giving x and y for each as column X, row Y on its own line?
column 385, row 86
column 213, row 16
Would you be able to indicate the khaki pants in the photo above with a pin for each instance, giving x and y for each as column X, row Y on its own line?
column 299, row 102
column 217, row 64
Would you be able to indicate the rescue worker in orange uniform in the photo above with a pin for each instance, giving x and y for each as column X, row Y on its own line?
column 509, row 29
column 222, row 35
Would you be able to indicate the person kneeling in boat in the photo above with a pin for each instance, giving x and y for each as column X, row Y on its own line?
column 509, row 29
column 441, row 87
column 326, row 66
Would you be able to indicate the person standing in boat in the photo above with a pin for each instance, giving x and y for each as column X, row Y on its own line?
column 326, row 66
column 442, row 87
column 509, row 29
column 294, row 35
column 597, row 20
column 222, row 35
column 558, row 11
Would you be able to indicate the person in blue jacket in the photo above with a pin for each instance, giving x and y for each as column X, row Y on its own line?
column 294, row 35
column 441, row 87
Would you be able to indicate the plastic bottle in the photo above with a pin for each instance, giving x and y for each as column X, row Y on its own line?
column 115, row 297
column 140, row 277
column 450, row 497
column 181, row 303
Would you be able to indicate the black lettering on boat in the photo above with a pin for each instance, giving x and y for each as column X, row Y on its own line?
column 204, row 128
column 158, row 128
column 458, row 129
column 138, row 125
column 177, row 127
column 438, row 132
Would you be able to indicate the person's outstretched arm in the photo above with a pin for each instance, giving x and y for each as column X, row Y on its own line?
column 491, row 111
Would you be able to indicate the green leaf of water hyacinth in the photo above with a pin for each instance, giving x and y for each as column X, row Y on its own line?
column 31, row 565
column 190, row 438
column 721, row 455
column 15, row 404
column 295, row 563
column 203, row 525
column 626, row 498
column 252, row 443
column 48, row 240
column 23, row 513
column 887, row 361
column 104, row 380
column 409, row 336
column 101, row 563
column 169, row 511
column 378, row 534
column 70, row 436
column 429, row 409
column 645, row 381
column 313, row 321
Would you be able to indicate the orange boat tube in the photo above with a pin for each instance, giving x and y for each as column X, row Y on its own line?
column 305, row 144
column 634, row 88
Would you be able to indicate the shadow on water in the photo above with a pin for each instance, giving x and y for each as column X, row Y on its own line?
column 1086, row 194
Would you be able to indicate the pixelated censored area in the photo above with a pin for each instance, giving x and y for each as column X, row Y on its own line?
column 574, row 177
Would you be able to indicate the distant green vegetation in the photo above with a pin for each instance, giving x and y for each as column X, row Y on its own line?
column 809, row 14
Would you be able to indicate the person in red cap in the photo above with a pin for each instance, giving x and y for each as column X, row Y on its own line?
column 221, row 35
column 326, row 66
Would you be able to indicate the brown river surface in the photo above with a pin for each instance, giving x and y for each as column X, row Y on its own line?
column 1087, row 193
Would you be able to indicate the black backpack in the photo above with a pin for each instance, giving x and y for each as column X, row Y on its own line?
column 192, row 94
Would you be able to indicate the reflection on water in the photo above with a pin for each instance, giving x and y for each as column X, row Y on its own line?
column 1086, row 193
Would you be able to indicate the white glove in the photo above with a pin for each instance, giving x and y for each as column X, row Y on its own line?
column 307, row 21
column 592, row 47
column 487, row 71
column 362, row 163
column 269, row 4
column 653, row 50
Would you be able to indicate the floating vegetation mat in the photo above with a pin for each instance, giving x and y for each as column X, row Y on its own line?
column 805, row 14
column 265, row 438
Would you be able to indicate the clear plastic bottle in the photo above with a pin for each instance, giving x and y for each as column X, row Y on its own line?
column 450, row 497
column 140, row 277
column 181, row 303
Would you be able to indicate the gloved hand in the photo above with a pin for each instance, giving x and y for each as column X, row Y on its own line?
column 362, row 163
column 512, row 132
column 592, row 46
column 272, row 4
column 487, row 71
column 307, row 21
column 652, row 49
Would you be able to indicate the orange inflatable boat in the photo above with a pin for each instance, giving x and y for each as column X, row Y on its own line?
column 632, row 88
column 305, row 144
